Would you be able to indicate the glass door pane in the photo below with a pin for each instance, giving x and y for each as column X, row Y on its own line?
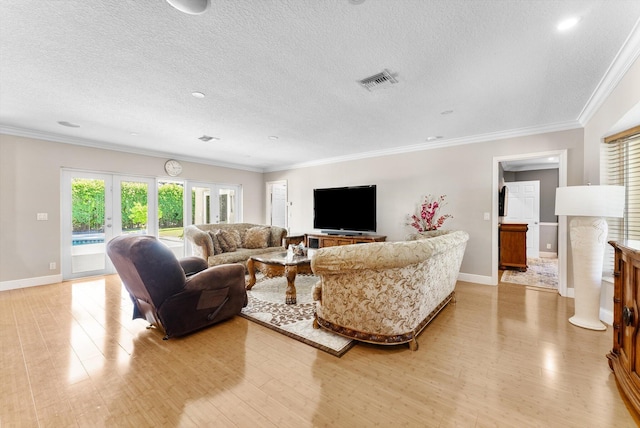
column 171, row 215
column 227, row 209
column 87, row 224
column 135, row 206
column 200, row 205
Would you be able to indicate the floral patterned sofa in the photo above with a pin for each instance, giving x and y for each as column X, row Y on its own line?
column 387, row 292
column 233, row 243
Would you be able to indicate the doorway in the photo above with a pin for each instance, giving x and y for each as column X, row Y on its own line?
column 277, row 213
column 532, row 161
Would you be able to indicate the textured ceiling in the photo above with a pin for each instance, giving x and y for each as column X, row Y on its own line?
column 290, row 68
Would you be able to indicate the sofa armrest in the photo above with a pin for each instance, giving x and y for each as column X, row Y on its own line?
column 201, row 241
column 276, row 236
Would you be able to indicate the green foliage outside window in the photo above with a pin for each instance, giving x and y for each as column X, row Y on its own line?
column 87, row 199
column 170, row 199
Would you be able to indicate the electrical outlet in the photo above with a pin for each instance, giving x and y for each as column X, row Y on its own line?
column 548, row 246
column 52, row 266
column 42, row 216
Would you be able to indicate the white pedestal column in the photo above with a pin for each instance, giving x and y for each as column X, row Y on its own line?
column 588, row 240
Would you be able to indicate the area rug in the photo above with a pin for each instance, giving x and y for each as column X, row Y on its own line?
column 541, row 272
column 266, row 307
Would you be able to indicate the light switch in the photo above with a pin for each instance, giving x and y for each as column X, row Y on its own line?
column 42, row 216
column 487, row 216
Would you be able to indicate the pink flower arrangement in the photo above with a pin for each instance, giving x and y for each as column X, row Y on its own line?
column 427, row 218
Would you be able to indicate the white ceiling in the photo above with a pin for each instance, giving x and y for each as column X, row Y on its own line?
column 290, row 68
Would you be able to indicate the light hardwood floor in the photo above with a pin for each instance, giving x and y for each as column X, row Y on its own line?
column 501, row 356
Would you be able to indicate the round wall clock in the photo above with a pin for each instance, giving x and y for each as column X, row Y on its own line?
column 173, row 167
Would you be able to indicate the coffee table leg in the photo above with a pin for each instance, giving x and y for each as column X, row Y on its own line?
column 252, row 274
column 290, row 273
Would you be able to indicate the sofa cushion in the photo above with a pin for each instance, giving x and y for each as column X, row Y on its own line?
column 227, row 241
column 257, row 237
column 217, row 249
column 236, row 236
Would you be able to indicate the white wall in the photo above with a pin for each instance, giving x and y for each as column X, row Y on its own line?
column 463, row 173
column 30, row 183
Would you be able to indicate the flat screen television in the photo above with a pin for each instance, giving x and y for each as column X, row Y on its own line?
column 348, row 210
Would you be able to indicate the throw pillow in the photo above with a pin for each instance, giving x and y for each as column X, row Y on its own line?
column 236, row 237
column 257, row 237
column 227, row 241
column 217, row 249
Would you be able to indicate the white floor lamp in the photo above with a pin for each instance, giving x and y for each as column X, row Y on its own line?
column 588, row 205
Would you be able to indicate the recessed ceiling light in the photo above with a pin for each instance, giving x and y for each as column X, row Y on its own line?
column 273, row 137
column 433, row 138
column 197, row 94
column 191, row 7
column 208, row 138
column 568, row 23
column 447, row 112
column 68, row 124
column 134, row 134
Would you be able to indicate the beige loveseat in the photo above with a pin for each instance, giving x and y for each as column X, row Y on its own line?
column 264, row 239
column 387, row 292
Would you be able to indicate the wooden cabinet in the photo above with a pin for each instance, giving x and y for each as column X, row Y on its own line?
column 324, row 240
column 513, row 246
column 624, row 358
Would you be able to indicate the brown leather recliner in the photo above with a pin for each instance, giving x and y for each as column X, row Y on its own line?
column 179, row 296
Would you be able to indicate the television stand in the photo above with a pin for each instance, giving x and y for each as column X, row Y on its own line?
column 322, row 240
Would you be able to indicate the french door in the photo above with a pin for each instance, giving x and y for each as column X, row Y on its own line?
column 213, row 203
column 97, row 207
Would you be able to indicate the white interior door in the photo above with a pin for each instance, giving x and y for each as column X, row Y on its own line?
column 277, row 203
column 523, row 206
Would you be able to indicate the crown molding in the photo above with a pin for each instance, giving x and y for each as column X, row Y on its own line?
column 29, row 133
column 623, row 60
column 480, row 138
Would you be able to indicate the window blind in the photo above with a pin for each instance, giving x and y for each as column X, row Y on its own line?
column 620, row 165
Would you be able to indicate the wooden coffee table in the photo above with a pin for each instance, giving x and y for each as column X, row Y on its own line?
column 278, row 264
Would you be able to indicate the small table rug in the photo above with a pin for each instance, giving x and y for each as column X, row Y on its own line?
column 267, row 307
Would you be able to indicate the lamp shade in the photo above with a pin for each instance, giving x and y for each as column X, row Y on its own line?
column 590, row 201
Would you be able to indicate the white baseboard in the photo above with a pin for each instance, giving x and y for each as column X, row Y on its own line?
column 478, row 279
column 30, row 282
column 548, row 255
column 606, row 316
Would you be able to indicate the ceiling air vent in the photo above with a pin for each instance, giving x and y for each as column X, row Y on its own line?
column 205, row 138
column 378, row 81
